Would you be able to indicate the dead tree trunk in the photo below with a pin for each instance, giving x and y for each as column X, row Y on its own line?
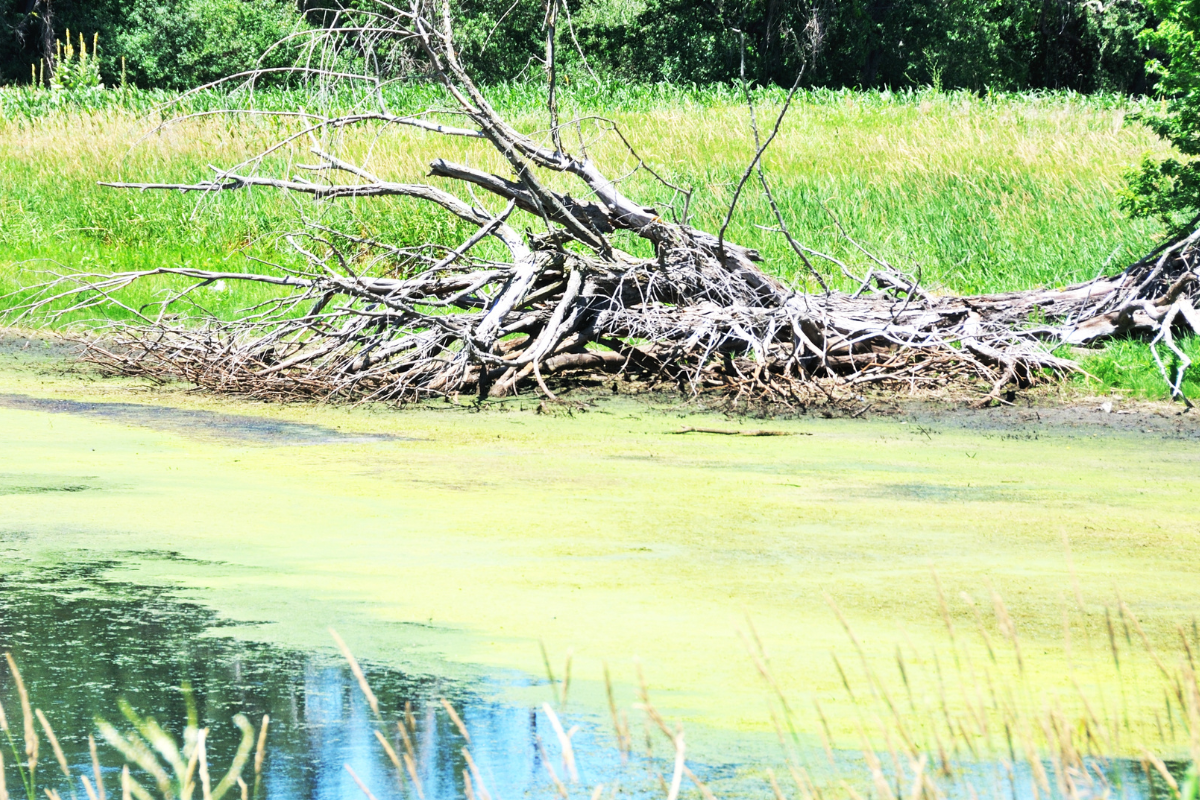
column 435, row 320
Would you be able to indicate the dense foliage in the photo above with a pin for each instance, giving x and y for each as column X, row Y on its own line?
column 972, row 44
column 168, row 44
column 1085, row 45
column 1169, row 188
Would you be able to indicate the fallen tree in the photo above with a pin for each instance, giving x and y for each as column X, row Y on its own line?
column 365, row 318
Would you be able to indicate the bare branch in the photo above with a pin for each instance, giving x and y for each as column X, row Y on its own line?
column 357, row 316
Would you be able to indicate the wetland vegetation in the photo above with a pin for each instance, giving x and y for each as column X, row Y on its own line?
column 1003, row 193
column 603, row 597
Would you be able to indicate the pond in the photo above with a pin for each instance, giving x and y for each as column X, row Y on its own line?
column 152, row 536
column 87, row 643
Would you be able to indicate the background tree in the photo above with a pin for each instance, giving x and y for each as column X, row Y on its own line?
column 35, row 31
column 169, row 44
column 1084, row 45
column 1170, row 188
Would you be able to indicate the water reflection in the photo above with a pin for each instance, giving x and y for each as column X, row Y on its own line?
column 83, row 642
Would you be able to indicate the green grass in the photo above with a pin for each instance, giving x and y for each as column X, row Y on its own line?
column 1128, row 367
column 978, row 194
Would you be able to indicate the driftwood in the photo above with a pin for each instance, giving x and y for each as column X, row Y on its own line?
column 367, row 319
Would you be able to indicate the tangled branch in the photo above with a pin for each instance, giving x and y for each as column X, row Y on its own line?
column 365, row 319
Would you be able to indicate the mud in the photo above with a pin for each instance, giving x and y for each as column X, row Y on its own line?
column 241, row 428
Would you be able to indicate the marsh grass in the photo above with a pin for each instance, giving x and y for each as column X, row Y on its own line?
column 980, row 715
column 990, row 194
column 1128, row 367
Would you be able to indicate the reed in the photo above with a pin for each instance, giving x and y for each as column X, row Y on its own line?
column 25, row 769
column 54, row 745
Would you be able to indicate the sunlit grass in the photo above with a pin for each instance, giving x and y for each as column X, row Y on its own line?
column 979, row 194
column 1128, row 367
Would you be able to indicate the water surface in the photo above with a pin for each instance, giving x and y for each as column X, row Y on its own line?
column 445, row 544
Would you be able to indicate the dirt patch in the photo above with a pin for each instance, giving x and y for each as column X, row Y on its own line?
column 1079, row 417
column 37, row 347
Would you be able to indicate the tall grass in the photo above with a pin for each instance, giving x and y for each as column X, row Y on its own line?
column 994, row 193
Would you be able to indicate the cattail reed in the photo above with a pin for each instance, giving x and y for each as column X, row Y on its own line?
column 362, row 786
column 96, row 773
column 564, row 740
column 566, row 683
column 483, row 792
column 621, row 728
column 408, row 745
column 358, row 673
column 202, row 756
column 58, row 753
column 410, row 755
column 845, row 681
column 826, row 736
column 779, row 795
column 545, row 759
column 31, row 737
column 456, row 719
column 549, row 671
column 912, row 706
column 1137, row 626
column 392, row 756
column 260, row 751
column 411, row 766
column 1008, row 628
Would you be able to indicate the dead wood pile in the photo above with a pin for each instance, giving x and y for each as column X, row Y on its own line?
column 368, row 319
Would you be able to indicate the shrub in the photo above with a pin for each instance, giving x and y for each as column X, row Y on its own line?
column 178, row 44
column 168, row 44
column 1169, row 188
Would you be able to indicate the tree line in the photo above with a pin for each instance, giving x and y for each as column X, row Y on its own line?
column 980, row 45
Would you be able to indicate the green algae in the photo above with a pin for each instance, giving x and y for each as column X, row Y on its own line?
column 450, row 541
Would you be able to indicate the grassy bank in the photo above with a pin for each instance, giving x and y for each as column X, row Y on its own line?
column 979, row 194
